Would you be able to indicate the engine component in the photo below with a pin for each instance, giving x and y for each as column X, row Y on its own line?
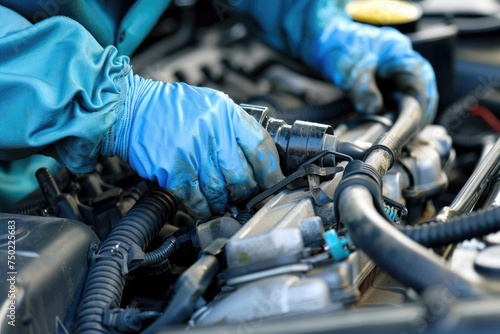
column 473, row 258
column 365, row 221
column 278, row 108
column 273, row 254
column 66, row 205
column 403, row 16
column 300, row 141
column 99, row 199
column 297, row 261
column 338, row 247
column 493, row 199
column 270, row 297
column 488, row 262
column 428, row 155
column 313, row 174
column 190, row 287
column 284, row 291
column 222, row 227
column 273, row 251
column 120, row 253
column 162, row 253
column 276, row 235
column 479, row 180
column 455, row 229
column 45, row 265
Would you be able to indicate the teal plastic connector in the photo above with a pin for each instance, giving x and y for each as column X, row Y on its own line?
column 338, row 247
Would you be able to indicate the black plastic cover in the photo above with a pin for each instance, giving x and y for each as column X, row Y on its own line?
column 43, row 265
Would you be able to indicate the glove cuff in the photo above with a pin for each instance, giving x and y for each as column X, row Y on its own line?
column 117, row 139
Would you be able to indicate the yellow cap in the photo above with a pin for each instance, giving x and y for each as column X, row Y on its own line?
column 383, row 12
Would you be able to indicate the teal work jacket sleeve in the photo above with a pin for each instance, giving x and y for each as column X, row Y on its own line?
column 60, row 90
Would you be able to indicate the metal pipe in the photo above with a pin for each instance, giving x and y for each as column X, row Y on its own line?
column 493, row 199
column 468, row 196
column 388, row 146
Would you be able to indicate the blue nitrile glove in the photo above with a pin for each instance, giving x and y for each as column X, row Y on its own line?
column 352, row 54
column 193, row 141
column 348, row 53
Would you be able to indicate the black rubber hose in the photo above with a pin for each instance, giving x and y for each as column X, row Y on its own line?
column 351, row 150
column 109, row 268
column 161, row 253
column 359, row 191
column 456, row 229
column 243, row 217
column 403, row 258
column 29, row 209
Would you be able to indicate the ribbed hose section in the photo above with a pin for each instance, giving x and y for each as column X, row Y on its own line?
column 243, row 217
column 29, row 210
column 454, row 230
column 108, row 271
column 161, row 253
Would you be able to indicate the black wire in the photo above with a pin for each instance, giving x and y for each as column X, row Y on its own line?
column 324, row 153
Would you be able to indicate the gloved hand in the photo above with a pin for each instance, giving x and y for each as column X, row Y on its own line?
column 193, row 141
column 352, row 54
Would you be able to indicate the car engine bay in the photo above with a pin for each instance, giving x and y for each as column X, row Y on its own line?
column 380, row 225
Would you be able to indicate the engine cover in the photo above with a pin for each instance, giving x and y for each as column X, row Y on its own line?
column 44, row 264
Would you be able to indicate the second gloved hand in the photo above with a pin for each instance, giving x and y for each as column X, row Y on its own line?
column 193, row 141
column 352, row 55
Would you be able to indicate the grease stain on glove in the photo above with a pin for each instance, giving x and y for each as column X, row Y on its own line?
column 353, row 54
